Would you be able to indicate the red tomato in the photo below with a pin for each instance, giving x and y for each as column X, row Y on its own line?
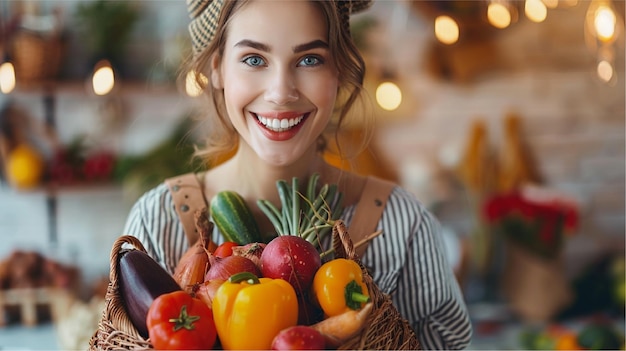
column 225, row 249
column 177, row 321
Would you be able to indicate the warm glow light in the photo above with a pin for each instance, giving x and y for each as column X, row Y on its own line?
column 551, row 4
column 605, row 70
column 498, row 15
column 570, row 3
column 446, row 30
column 103, row 79
column 604, row 23
column 535, row 10
column 7, row 77
column 191, row 85
column 388, row 96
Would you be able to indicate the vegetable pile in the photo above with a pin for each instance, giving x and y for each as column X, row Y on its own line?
column 281, row 293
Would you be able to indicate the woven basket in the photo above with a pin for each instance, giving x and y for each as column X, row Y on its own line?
column 384, row 329
column 37, row 58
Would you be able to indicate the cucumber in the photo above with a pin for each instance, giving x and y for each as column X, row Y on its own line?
column 233, row 218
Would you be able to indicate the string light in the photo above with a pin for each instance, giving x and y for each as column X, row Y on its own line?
column 7, row 77
column 446, row 29
column 103, row 80
column 388, row 96
column 498, row 15
column 602, row 27
column 535, row 10
column 604, row 23
column 605, row 71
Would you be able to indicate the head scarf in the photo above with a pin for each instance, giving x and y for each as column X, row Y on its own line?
column 204, row 16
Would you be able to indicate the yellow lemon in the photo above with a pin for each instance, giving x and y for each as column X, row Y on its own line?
column 25, row 167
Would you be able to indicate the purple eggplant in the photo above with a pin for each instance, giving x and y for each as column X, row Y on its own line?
column 142, row 280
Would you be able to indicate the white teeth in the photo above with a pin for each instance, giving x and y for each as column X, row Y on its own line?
column 279, row 125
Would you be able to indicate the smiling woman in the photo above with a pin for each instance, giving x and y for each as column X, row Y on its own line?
column 277, row 80
column 282, row 76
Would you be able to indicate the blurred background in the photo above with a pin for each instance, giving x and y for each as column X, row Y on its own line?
column 504, row 117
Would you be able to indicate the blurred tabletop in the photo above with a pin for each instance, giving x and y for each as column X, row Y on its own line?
column 38, row 337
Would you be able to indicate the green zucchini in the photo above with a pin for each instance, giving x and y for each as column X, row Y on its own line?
column 233, row 218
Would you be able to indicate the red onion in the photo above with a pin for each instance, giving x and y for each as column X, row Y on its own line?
column 223, row 268
column 252, row 251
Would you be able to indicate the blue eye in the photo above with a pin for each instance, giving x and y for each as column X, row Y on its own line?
column 254, row 61
column 311, row 61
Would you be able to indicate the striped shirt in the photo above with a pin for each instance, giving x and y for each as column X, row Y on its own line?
column 407, row 262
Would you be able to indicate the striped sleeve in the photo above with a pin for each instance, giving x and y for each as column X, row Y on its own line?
column 443, row 321
column 153, row 220
column 409, row 263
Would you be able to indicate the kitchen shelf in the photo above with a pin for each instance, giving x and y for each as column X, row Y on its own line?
column 82, row 87
column 49, row 92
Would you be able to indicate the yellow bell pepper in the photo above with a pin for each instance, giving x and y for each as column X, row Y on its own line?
column 249, row 311
column 338, row 287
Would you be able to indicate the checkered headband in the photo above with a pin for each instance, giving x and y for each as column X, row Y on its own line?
column 204, row 16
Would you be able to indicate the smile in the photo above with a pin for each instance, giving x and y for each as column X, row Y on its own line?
column 280, row 124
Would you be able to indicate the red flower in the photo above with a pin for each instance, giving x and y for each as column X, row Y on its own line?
column 535, row 217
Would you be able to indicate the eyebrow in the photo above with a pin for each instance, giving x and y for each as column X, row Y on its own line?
column 253, row 44
column 298, row 48
column 311, row 45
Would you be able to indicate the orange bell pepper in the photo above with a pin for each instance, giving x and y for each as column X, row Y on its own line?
column 338, row 287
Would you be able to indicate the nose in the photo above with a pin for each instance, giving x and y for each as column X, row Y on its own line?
column 282, row 88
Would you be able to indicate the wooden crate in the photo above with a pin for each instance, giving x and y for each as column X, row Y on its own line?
column 33, row 305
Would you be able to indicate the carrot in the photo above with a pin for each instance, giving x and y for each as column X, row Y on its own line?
column 338, row 329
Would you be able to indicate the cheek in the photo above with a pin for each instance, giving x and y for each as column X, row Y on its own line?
column 238, row 92
column 323, row 91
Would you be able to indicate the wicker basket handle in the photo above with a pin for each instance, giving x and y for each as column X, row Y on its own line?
column 342, row 243
column 118, row 249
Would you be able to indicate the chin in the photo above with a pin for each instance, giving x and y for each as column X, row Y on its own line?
column 280, row 159
column 280, row 153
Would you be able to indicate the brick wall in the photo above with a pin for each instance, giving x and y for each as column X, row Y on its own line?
column 573, row 123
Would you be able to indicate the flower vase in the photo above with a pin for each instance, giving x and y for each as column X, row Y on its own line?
column 535, row 287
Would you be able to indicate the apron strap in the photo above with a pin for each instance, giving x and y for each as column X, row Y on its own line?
column 188, row 196
column 369, row 210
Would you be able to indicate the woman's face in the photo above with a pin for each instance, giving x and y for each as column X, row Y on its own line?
column 279, row 81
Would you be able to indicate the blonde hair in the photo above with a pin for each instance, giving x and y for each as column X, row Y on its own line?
column 223, row 139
